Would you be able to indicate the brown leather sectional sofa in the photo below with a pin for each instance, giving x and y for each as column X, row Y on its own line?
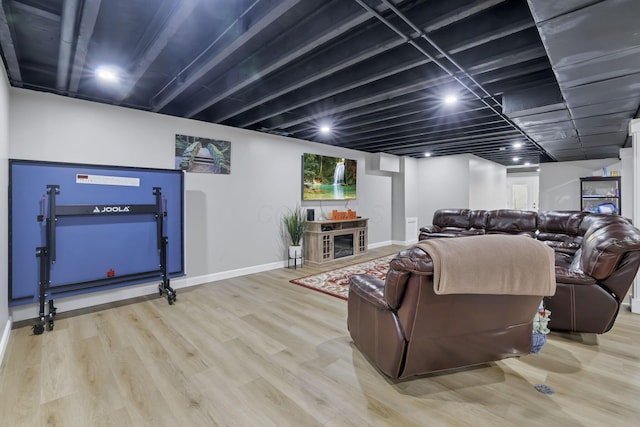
column 404, row 328
column 597, row 257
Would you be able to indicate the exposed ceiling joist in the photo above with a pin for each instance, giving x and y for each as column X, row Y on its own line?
column 377, row 71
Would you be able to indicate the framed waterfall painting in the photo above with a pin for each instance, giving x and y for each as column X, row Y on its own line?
column 203, row 155
column 328, row 178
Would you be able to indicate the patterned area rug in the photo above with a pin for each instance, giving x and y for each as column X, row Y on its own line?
column 336, row 282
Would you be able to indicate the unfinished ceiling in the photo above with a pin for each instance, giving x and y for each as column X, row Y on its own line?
column 562, row 78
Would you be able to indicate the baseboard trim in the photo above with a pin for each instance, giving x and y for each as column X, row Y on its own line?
column 404, row 243
column 214, row 277
column 4, row 341
column 379, row 244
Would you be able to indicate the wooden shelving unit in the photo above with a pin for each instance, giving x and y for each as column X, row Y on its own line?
column 321, row 238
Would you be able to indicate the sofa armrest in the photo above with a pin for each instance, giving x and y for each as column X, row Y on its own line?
column 430, row 229
column 369, row 288
column 603, row 248
column 407, row 262
column 573, row 277
column 412, row 260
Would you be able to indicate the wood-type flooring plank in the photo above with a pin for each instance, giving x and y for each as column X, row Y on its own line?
column 259, row 351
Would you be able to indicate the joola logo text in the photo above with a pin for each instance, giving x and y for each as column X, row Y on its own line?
column 111, row 209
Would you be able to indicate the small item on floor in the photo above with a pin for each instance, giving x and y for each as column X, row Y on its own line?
column 544, row 389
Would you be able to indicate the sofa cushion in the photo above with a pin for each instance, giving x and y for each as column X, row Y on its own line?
column 452, row 219
column 561, row 230
column 598, row 221
column 477, row 223
column 560, row 222
column 568, row 269
column 478, row 220
column 440, row 235
column 512, row 221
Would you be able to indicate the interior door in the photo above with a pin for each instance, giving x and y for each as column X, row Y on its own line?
column 523, row 193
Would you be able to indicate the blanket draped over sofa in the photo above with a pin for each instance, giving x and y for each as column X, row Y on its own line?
column 484, row 265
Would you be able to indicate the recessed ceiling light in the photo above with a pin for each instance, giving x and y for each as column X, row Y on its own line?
column 108, row 73
column 538, row 170
column 450, row 99
column 502, row 148
column 325, row 129
column 517, row 144
column 527, row 163
column 515, row 159
column 427, row 154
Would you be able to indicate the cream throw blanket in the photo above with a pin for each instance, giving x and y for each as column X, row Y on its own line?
column 491, row 264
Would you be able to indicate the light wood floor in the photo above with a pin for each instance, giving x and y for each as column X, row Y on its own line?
column 259, row 351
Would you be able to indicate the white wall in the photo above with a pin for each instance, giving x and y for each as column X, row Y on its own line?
column 626, row 182
column 232, row 221
column 462, row 181
column 560, row 182
column 634, row 131
column 412, row 189
column 443, row 182
column 412, row 195
column 397, row 202
column 5, row 324
column 405, row 202
column 487, row 181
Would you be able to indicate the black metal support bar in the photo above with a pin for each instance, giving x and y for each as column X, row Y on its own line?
column 91, row 210
column 52, row 191
column 157, row 191
column 165, row 286
column 52, row 315
column 89, row 284
column 43, row 254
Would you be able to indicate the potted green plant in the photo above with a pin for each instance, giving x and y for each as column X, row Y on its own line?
column 295, row 222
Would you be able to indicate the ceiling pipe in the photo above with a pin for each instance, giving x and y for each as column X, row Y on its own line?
column 443, row 67
column 67, row 34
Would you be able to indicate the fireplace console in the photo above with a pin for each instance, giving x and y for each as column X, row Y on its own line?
column 325, row 241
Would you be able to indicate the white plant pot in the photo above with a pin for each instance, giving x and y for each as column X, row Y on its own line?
column 295, row 252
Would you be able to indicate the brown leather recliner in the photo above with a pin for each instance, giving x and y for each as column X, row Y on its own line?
column 404, row 328
column 591, row 285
